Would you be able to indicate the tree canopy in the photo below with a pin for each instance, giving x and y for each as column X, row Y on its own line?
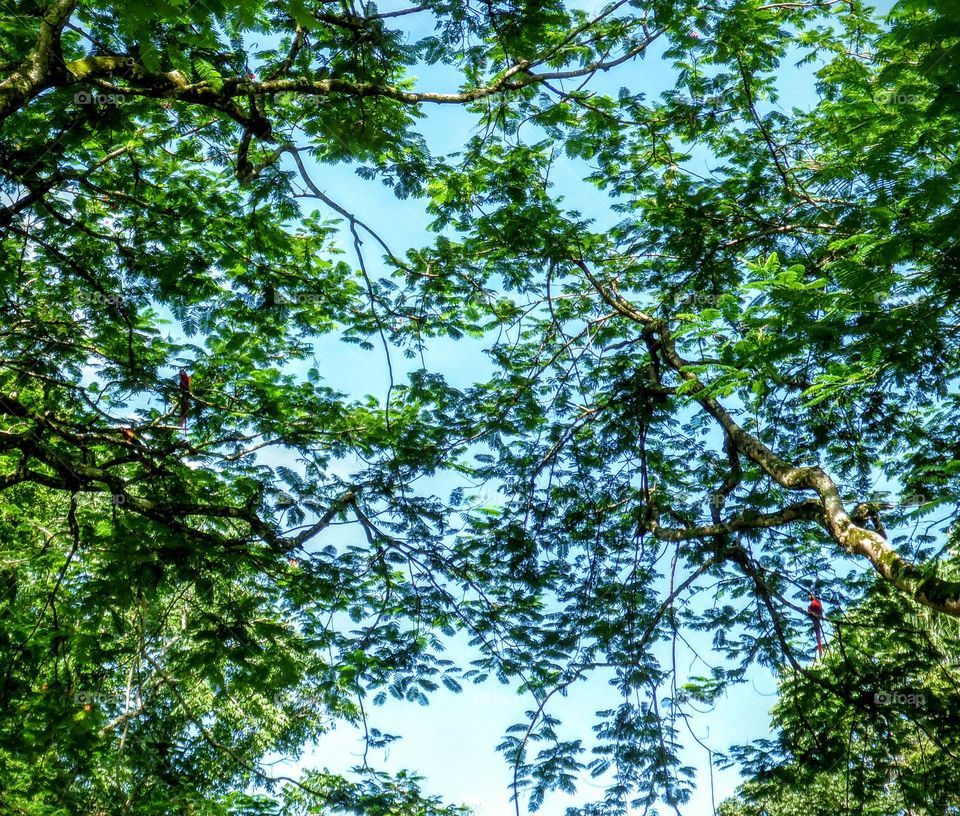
column 731, row 385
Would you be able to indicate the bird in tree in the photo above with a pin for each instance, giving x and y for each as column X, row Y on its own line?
column 815, row 610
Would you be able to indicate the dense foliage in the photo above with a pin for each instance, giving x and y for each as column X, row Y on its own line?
column 872, row 730
column 696, row 394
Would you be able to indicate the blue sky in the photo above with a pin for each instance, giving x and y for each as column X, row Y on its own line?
column 452, row 741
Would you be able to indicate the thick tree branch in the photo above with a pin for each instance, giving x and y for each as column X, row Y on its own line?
column 936, row 593
column 43, row 64
column 811, row 509
column 38, row 74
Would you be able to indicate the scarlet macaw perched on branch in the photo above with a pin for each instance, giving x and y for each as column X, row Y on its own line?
column 815, row 610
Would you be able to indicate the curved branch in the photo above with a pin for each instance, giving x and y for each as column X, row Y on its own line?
column 174, row 85
column 937, row 593
column 811, row 509
column 42, row 65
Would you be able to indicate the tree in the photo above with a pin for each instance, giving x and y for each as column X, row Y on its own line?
column 719, row 381
column 715, row 379
column 871, row 729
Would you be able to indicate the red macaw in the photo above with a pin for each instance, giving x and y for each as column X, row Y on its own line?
column 815, row 611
